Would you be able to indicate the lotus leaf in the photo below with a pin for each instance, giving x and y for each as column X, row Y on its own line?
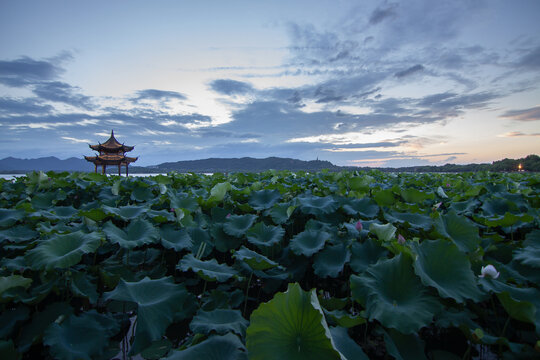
column 290, row 326
column 218, row 192
column 264, row 236
column 182, row 201
column 223, row 241
column 221, row 321
column 460, row 230
column 316, row 205
column 344, row 319
column 364, row 254
column 141, row 194
column 62, row 251
column 330, row 261
column 420, row 221
column 137, row 233
column 19, row 233
column 238, row 225
column 80, row 337
column 209, row 270
column 384, row 232
column 440, row 264
column 346, row 346
column 308, row 242
column 403, row 347
column 254, row 260
column 394, row 295
column 157, row 302
column 172, row 238
column 365, row 207
column 264, row 199
column 8, row 217
column 201, row 241
column 412, row 195
column 13, row 281
column 217, row 347
column 128, row 212
column 10, row 318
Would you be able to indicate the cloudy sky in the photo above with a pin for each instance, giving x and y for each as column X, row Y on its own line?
column 376, row 83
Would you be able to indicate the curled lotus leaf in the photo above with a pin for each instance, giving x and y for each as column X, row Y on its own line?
column 216, row 347
column 460, row 230
column 384, row 232
column 365, row 207
column 290, row 326
column 80, row 337
column 177, row 239
column 137, row 233
column 347, row 346
column 157, row 302
column 238, row 225
column 255, row 260
column 264, row 199
column 209, row 270
column 365, row 254
column 442, row 265
column 315, row 205
column 308, row 242
column 264, row 236
column 221, row 321
column 13, row 281
column 62, row 251
column 330, row 261
column 8, row 217
column 394, row 295
column 128, row 212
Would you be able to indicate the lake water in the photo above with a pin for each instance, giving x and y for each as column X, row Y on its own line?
column 13, row 176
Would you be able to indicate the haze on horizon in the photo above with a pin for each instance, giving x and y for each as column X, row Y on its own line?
column 371, row 83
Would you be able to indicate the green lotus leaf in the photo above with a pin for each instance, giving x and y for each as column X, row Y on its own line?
column 264, row 199
column 347, row 346
column 365, row 254
column 161, row 216
column 520, row 310
column 412, row 195
column 365, row 207
column 95, row 214
column 10, row 319
column 530, row 254
column 223, row 241
column 201, row 241
column 217, row 347
column 80, row 337
column 316, row 205
column 402, row 346
column 137, row 233
column 221, row 321
column 209, row 270
column 17, row 234
column 158, row 349
column 330, row 261
column 141, row 194
column 157, row 302
column 7, row 349
column 440, row 264
column 394, row 295
column 82, row 286
column 62, row 251
column 384, row 232
column 46, row 200
column 128, row 212
column 172, row 238
column 182, row 200
column 264, row 236
column 420, row 221
column 290, row 326
column 344, row 319
column 13, row 281
column 8, row 217
column 238, row 225
column 254, row 260
column 384, row 197
column 218, row 192
column 57, row 213
column 460, row 230
column 308, row 242
column 280, row 213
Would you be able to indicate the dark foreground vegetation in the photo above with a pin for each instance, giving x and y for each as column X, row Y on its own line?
column 274, row 265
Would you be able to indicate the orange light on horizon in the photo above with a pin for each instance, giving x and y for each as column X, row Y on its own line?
column 520, row 168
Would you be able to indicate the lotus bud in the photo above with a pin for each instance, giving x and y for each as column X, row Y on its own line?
column 400, row 239
column 447, row 185
column 358, row 225
column 489, row 271
column 228, row 215
column 172, row 210
column 436, row 206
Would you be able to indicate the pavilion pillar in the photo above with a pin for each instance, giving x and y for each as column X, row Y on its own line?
column 95, row 168
column 103, row 169
column 119, row 169
column 127, row 172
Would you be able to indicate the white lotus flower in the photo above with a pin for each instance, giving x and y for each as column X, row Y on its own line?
column 489, row 271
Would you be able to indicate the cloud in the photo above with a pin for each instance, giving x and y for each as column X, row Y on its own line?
column 25, row 71
column 531, row 114
column 13, row 107
column 409, row 71
column 517, row 134
column 231, row 87
column 64, row 93
column 75, row 140
column 153, row 94
column 383, row 12
column 531, row 60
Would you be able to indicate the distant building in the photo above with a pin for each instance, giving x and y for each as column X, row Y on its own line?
column 111, row 153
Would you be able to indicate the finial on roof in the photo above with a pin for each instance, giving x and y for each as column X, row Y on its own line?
column 112, row 132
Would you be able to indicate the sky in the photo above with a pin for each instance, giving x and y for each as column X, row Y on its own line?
column 357, row 83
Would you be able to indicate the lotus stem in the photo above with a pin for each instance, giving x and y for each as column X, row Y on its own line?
column 247, row 293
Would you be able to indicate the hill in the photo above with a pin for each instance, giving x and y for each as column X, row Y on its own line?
column 15, row 165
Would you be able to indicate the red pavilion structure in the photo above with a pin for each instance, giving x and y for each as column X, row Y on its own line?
column 111, row 153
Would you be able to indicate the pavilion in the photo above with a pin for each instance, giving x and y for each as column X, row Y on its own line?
column 111, row 153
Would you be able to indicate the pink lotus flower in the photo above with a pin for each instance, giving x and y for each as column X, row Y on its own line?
column 359, row 225
column 489, row 271
column 228, row 215
column 447, row 185
column 400, row 239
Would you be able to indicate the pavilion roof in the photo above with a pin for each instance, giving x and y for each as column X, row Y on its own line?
column 111, row 145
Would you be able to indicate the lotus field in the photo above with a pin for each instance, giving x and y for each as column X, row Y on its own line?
column 275, row 265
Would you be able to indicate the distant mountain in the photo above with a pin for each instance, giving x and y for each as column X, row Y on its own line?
column 245, row 164
column 11, row 164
